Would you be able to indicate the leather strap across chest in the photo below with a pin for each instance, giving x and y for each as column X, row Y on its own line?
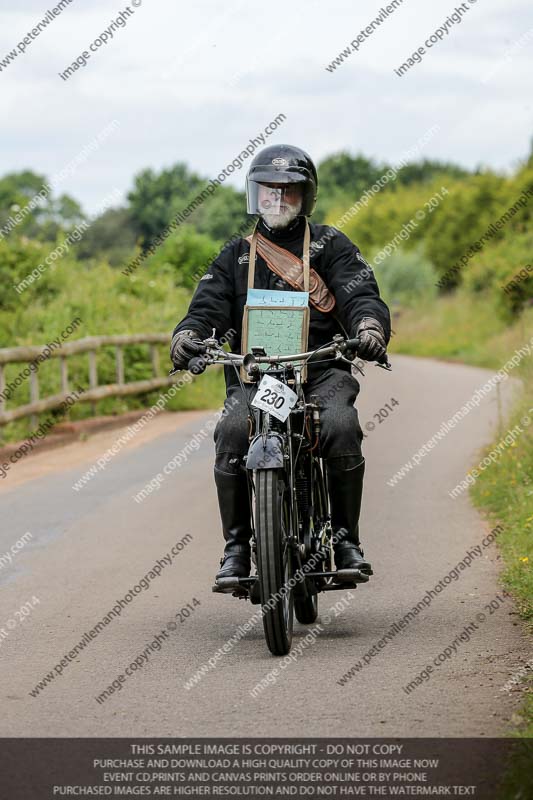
column 295, row 271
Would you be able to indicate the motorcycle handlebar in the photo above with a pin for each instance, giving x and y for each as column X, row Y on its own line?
column 352, row 344
column 198, row 364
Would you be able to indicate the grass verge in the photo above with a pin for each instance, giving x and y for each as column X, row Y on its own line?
column 467, row 329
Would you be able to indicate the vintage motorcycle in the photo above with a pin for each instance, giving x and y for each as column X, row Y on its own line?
column 292, row 544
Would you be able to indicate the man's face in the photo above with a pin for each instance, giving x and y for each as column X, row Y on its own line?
column 280, row 203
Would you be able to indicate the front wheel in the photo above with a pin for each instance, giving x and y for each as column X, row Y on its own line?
column 272, row 526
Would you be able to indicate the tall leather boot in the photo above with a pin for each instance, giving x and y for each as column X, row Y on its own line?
column 345, row 492
column 234, row 505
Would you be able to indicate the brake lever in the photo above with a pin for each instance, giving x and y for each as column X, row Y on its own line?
column 351, row 362
column 339, row 356
column 386, row 365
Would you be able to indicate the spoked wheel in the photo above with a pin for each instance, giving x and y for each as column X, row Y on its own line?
column 273, row 559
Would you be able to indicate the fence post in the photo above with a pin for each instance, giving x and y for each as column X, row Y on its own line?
column 120, row 364
column 63, row 366
column 91, row 346
column 34, row 396
column 154, row 356
column 63, row 363
column 2, row 389
column 93, row 377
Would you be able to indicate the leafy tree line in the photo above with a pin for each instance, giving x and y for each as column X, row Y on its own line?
column 86, row 280
column 474, row 201
column 478, row 234
column 156, row 197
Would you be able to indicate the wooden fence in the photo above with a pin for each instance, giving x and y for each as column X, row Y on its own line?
column 90, row 345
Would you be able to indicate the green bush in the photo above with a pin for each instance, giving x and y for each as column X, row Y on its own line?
column 18, row 258
column 388, row 213
column 183, row 258
column 473, row 204
column 505, row 270
column 406, row 277
column 107, row 303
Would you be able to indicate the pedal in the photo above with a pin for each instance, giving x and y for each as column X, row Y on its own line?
column 351, row 576
column 238, row 587
column 221, row 589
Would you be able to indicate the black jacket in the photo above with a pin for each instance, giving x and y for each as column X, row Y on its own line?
column 220, row 296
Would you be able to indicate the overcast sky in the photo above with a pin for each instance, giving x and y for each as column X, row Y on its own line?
column 194, row 82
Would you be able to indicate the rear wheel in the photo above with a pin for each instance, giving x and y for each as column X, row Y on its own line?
column 272, row 520
column 306, row 608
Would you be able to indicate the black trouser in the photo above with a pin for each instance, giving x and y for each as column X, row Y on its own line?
column 341, row 438
column 341, row 434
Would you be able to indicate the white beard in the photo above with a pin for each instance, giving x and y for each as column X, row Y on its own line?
column 287, row 214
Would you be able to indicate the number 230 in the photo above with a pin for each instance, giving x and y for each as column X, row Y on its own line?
column 272, row 398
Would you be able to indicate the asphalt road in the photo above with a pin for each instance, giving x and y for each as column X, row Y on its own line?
column 90, row 547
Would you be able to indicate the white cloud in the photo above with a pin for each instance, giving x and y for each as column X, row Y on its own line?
column 194, row 82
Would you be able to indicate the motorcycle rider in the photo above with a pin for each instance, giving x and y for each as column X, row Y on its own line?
column 281, row 187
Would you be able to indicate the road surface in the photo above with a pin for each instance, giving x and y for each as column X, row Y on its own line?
column 90, row 547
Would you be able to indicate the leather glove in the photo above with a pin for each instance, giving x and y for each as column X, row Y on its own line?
column 371, row 335
column 183, row 348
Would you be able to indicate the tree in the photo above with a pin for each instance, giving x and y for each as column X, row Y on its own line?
column 223, row 214
column 43, row 215
column 186, row 255
column 111, row 236
column 427, row 170
column 342, row 179
column 156, row 198
column 19, row 257
column 456, row 227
